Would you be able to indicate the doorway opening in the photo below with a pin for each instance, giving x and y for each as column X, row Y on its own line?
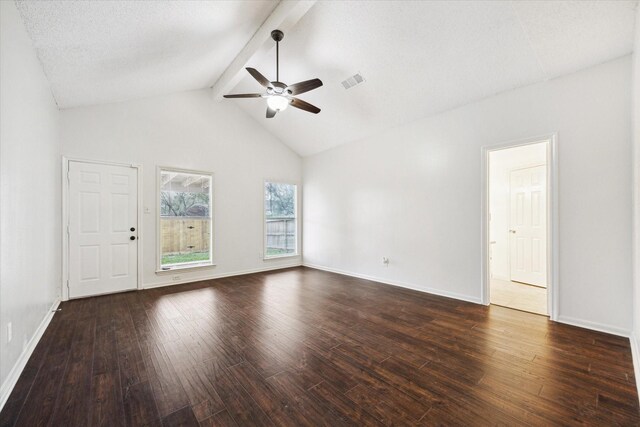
column 519, row 226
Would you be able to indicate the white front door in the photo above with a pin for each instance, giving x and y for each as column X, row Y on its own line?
column 528, row 225
column 103, row 229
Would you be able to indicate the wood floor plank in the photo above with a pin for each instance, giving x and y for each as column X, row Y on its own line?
column 239, row 403
column 181, row 418
column 167, row 388
column 344, row 408
column 107, row 407
column 312, row 411
column 74, row 396
column 221, row 419
column 271, row 400
column 130, row 362
column 199, row 384
column 44, row 391
column 140, row 406
column 105, row 358
column 304, row 347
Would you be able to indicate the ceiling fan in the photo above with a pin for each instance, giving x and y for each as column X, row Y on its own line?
column 279, row 95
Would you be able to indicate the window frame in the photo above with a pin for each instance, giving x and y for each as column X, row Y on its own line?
column 264, row 220
column 184, row 266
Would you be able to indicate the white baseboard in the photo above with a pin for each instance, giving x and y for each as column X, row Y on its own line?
column 11, row 380
column 635, row 354
column 600, row 327
column 433, row 291
column 219, row 276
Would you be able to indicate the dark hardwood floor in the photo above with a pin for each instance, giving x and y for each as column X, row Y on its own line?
column 305, row 347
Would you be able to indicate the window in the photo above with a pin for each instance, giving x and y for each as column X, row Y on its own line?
column 280, row 212
column 185, row 230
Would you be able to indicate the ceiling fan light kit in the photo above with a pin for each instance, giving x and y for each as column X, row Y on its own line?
column 279, row 95
column 278, row 102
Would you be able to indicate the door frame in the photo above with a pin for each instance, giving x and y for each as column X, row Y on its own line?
column 64, row 286
column 552, row 218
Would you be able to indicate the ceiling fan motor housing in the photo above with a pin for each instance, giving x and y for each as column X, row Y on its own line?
column 277, row 87
column 277, row 35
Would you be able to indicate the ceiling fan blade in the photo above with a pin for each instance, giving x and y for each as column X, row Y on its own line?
column 259, row 77
column 243, row 95
column 303, row 105
column 271, row 113
column 306, row 86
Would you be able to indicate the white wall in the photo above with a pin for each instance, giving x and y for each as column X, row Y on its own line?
column 413, row 194
column 636, row 188
column 502, row 162
column 188, row 130
column 29, row 193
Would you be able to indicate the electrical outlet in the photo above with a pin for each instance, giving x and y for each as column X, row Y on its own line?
column 9, row 332
column 176, row 277
column 385, row 261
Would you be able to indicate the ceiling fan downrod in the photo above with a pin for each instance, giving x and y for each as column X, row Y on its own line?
column 277, row 36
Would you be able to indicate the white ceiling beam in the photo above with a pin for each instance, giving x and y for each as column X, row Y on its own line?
column 167, row 178
column 286, row 14
column 191, row 179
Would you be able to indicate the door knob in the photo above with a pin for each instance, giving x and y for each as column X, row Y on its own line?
column 132, row 229
column 132, row 238
column 512, row 231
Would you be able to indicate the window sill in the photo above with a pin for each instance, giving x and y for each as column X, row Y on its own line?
column 280, row 257
column 186, row 268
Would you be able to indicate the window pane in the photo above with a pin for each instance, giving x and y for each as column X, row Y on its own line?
column 280, row 217
column 185, row 218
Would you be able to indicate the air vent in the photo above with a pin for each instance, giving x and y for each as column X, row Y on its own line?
column 352, row 81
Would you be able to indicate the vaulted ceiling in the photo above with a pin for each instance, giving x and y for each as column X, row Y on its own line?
column 96, row 52
column 418, row 58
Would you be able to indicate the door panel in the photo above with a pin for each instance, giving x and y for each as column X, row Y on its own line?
column 90, row 263
column 528, row 218
column 120, row 208
column 102, row 210
column 89, row 211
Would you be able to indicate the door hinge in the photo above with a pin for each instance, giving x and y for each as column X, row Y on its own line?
column 68, row 232
column 69, row 176
column 68, row 284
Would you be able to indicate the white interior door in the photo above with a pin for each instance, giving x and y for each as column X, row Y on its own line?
column 103, row 229
column 528, row 225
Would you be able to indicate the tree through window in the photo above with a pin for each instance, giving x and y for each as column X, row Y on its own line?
column 185, row 219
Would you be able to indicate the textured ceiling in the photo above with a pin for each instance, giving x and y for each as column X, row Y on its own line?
column 418, row 58
column 421, row 58
column 104, row 51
